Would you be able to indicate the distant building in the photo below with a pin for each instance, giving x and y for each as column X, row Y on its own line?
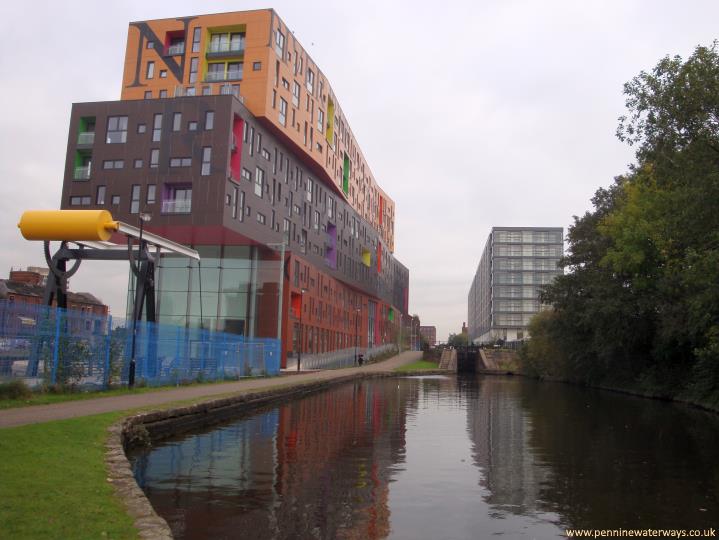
column 504, row 294
column 429, row 333
column 28, row 287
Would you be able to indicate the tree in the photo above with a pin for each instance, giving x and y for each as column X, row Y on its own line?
column 457, row 340
column 639, row 303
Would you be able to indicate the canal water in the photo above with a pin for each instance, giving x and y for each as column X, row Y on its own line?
column 440, row 458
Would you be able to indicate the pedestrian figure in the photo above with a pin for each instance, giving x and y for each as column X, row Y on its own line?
column 360, row 359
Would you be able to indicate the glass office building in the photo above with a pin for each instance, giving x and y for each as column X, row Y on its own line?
column 504, row 294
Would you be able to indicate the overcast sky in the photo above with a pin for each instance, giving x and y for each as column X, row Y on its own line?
column 471, row 114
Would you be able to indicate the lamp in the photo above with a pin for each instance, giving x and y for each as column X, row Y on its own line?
column 299, row 348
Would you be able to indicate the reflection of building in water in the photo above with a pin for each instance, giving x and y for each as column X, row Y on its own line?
column 358, row 428
column 197, row 483
column 500, row 431
column 320, row 465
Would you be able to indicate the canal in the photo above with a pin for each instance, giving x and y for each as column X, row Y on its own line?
column 440, row 457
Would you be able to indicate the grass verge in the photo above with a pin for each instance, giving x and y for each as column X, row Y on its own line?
column 418, row 365
column 48, row 398
column 53, row 481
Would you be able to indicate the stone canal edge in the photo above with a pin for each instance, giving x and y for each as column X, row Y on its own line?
column 144, row 428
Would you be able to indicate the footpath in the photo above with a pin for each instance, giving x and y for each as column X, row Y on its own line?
column 71, row 409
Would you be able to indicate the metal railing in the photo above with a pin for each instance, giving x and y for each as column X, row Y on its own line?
column 217, row 76
column 341, row 358
column 86, row 137
column 226, row 48
column 47, row 345
column 82, row 173
column 173, row 50
column 176, row 207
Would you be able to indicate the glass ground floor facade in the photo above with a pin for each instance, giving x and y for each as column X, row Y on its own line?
column 233, row 289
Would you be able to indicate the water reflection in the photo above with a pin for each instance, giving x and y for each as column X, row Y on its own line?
column 440, row 457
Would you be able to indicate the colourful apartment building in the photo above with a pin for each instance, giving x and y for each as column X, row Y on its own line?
column 232, row 139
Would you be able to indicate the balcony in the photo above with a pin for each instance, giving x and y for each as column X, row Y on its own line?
column 82, row 173
column 86, row 138
column 224, row 50
column 178, row 206
column 218, row 76
column 176, row 49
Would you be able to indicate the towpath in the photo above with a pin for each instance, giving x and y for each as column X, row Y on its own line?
column 71, row 409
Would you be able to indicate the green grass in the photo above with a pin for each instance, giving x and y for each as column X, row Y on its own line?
column 48, row 398
column 53, row 482
column 418, row 365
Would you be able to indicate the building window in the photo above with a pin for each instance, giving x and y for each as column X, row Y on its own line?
column 138, row 164
column 206, row 158
column 266, row 154
column 156, row 128
column 163, row 74
column 308, row 194
column 148, row 94
column 141, row 128
column 241, row 206
column 280, row 44
column 246, row 175
column 150, row 73
column 163, row 93
column 295, row 93
column 283, row 112
column 286, row 230
column 256, row 66
column 113, row 164
column 320, row 120
column 196, row 34
column 180, row 162
column 115, row 200
column 310, row 83
column 116, row 129
column 259, row 181
column 227, row 42
column 100, row 195
column 190, row 91
column 193, row 69
column 209, row 120
column 233, row 201
column 316, row 222
column 150, row 45
column 192, row 126
column 80, row 201
column 154, row 158
column 260, row 218
column 177, row 200
column 206, row 90
column 234, row 71
column 177, row 46
column 151, row 193
column 135, row 199
column 176, row 121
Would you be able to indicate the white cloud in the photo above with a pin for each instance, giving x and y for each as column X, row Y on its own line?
column 470, row 114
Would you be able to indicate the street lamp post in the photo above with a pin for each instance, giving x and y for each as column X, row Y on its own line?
column 299, row 347
column 357, row 313
column 135, row 310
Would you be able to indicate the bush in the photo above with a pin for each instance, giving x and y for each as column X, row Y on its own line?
column 15, row 390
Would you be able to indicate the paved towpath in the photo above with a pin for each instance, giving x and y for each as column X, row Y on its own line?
column 71, row 409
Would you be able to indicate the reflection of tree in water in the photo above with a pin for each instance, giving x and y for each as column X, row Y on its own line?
column 499, row 430
column 620, row 461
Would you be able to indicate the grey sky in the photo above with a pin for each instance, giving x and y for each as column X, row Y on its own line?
column 471, row 114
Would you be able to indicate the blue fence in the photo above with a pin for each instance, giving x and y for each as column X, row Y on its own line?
column 46, row 345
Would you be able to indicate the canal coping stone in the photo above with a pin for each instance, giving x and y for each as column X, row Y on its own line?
column 145, row 428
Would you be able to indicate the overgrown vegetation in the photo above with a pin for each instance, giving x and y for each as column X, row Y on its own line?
column 639, row 304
